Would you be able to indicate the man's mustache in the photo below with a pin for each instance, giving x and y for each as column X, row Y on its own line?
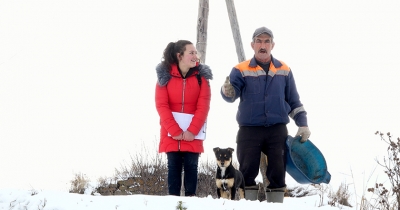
column 262, row 50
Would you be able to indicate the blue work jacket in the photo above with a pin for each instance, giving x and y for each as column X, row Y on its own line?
column 265, row 98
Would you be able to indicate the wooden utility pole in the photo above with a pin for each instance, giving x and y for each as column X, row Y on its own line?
column 241, row 57
column 235, row 30
column 202, row 23
column 201, row 46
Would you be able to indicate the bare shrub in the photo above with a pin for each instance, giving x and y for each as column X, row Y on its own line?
column 79, row 183
column 206, row 179
column 106, row 181
column 34, row 192
column 145, row 174
column 321, row 190
column 381, row 201
column 341, row 197
column 303, row 190
column 387, row 198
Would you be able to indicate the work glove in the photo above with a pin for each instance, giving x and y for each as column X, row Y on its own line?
column 227, row 88
column 304, row 132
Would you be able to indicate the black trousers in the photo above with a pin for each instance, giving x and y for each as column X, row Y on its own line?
column 251, row 141
column 189, row 161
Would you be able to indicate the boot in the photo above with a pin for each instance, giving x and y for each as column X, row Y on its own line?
column 275, row 195
column 251, row 192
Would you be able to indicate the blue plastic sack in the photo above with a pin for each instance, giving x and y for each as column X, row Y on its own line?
column 305, row 163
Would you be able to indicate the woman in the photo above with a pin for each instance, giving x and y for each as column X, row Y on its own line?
column 182, row 87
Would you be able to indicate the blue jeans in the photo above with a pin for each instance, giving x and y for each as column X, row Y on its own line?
column 189, row 162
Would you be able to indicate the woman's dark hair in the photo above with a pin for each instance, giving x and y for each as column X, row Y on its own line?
column 169, row 56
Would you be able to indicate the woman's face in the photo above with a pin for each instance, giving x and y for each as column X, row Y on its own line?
column 189, row 58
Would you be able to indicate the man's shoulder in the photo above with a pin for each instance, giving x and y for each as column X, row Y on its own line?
column 246, row 62
column 247, row 65
column 279, row 64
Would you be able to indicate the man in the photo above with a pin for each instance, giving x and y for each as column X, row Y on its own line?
column 268, row 96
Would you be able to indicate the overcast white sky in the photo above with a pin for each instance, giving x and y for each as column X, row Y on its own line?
column 77, row 79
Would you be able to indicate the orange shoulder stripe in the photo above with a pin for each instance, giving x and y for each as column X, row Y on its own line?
column 284, row 67
column 244, row 66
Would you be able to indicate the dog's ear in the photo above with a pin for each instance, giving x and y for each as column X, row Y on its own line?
column 230, row 150
column 216, row 149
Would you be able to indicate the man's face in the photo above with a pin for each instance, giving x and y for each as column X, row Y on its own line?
column 262, row 46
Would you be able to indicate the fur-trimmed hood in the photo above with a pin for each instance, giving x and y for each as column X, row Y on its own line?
column 163, row 75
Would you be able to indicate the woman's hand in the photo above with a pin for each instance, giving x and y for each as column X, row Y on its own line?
column 188, row 136
column 180, row 137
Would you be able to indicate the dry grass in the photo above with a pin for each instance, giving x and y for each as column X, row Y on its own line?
column 340, row 197
column 147, row 174
column 79, row 183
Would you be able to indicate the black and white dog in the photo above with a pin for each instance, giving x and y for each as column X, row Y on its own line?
column 227, row 178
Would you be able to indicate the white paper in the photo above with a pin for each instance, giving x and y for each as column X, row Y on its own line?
column 184, row 121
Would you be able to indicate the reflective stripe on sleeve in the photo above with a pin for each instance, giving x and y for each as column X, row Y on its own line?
column 296, row 111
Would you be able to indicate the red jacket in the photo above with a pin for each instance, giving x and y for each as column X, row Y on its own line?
column 189, row 95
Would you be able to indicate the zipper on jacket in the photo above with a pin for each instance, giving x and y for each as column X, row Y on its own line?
column 183, row 94
column 183, row 102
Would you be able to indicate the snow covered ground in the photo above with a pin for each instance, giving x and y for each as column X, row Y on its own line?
column 58, row 200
